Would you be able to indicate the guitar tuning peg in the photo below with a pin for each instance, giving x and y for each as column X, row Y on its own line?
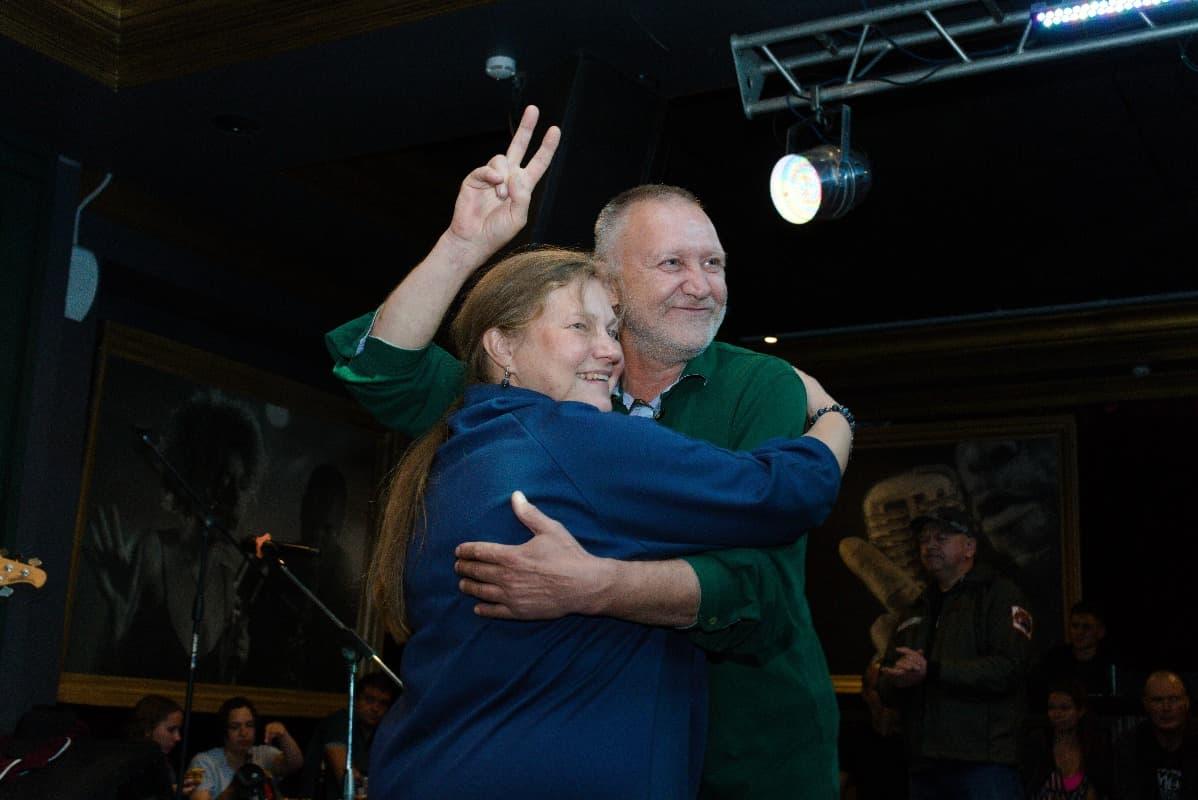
column 34, row 562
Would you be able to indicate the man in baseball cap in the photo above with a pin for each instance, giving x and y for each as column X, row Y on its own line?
column 956, row 667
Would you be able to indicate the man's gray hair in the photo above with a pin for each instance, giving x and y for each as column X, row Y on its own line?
column 611, row 217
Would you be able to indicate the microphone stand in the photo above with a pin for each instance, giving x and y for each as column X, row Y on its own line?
column 354, row 650
column 208, row 523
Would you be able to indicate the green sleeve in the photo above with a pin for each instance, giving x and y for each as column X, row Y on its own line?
column 746, row 595
column 406, row 390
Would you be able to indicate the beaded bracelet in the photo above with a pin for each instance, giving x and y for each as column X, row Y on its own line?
column 837, row 408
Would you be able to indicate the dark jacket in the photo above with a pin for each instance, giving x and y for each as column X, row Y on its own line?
column 1138, row 756
column 972, row 705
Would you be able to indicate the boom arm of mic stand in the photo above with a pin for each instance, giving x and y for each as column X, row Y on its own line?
column 350, row 635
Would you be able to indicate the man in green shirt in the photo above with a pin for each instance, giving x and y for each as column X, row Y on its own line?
column 772, row 707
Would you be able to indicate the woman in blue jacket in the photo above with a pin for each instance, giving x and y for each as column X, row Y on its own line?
column 577, row 707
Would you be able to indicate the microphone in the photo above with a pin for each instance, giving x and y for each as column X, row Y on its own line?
column 265, row 544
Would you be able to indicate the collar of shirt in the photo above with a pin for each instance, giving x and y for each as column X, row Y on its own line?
column 697, row 368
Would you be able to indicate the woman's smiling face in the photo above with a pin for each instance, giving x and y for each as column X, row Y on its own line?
column 570, row 351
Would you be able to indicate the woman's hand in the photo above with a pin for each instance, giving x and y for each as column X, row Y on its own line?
column 492, row 204
column 191, row 781
column 275, row 731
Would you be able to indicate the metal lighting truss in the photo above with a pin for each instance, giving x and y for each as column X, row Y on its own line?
column 837, row 58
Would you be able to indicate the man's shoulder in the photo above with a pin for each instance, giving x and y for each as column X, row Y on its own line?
column 721, row 356
column 993, row 581
column 738, row 372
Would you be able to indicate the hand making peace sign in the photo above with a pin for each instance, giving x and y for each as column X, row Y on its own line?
column 492, row 205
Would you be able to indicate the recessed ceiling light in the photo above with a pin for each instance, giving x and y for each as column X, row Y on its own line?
column 236, row 124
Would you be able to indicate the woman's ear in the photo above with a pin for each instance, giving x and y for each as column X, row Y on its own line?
column 499, row 347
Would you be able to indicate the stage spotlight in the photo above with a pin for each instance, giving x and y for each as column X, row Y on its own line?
column 1049, row 15
column 823, row 183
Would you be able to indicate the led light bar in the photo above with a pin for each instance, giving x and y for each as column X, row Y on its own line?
column 1050, row 16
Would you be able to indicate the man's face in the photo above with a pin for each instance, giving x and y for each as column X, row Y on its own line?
column 371, row 705
column 672, row 265
column 1085, row 631
column 944, row 551
column 239, row 732
column 1166, row 702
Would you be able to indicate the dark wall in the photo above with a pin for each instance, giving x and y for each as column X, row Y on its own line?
column 1136, row 481
column 41, row 457
column 145, row 283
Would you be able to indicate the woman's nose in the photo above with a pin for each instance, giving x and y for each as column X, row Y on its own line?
column 609, row 347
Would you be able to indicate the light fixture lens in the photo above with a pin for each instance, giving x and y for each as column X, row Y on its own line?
column 818, row 184
column 795, row 189
column 770, row 340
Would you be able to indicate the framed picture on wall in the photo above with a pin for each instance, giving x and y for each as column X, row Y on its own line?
column 1017, row 478
column 263, row 454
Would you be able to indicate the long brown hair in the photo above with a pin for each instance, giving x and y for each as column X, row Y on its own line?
column 509, row 297
column 148, row 712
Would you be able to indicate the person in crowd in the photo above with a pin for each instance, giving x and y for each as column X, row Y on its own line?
column 324, row 760
column 957, row 669
column 160, row 719
column 1083, row 658
column 773, row 709
column 214, row 769
column 1158, row 760
column 1070, row 759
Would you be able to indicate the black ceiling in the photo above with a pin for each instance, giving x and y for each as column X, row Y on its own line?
column 1062, row 183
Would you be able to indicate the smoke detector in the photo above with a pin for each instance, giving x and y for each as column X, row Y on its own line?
column 501, row 67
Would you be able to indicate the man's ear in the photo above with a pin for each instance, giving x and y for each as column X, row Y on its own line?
column 499, row 347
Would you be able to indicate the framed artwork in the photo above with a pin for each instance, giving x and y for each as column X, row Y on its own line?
column 1017, row 478
column 173, row 428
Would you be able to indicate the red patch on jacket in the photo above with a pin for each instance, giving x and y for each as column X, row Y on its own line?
column 1021, row 620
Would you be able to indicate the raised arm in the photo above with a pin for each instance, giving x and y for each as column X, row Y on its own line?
column 291, row 757
column 491, row 208
column 832, row 429
column 384, row 360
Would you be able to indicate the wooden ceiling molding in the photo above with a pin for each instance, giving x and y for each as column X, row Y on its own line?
column 83, row 35
column 135, row 42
